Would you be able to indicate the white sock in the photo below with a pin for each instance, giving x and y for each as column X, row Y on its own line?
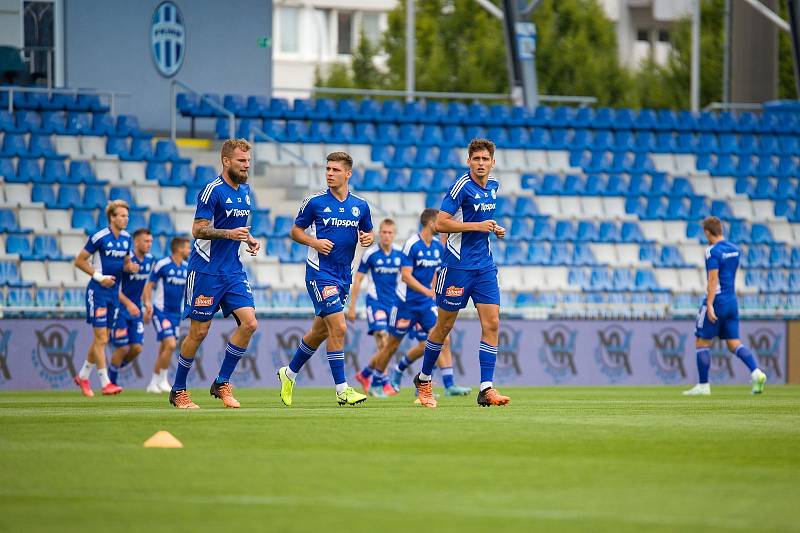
column 156, row 378
column 424, row 377
column 86, row 370
column 755, row 373
column 485, row 385
column 292, row 375
column 103, row 373
column 164, row 373
column 706, row 386
column 340, row 387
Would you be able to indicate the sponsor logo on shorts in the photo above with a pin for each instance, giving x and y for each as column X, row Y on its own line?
column 380, row 314
column 166, row 324
column 453, row 291
column 402, row 323
column 121, row 333
column 451, row 302
column 100, row 312
column 329, row 290
column 204, row 301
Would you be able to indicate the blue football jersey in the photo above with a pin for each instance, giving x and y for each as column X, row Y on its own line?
column 469, row 202
column 425, row 260
column 323, row 216
column 383, row 270
column 170, row 282
column 226, row 208
column 133, row 284
column 109, row 252
column 724, row 257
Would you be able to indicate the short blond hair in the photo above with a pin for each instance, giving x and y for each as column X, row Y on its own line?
column 230, row 146
column 113, row 205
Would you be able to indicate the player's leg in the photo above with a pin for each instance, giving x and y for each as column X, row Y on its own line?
column 234, row 351
column 377, row 323
column 445, row 321
column 729, row 331
column 381, row 361
column 445, row 364
column 308, row 345
column 705, row 332
column 121, row 344
column 337, row 329
column 396, row 376
column 198, row 331
column 485, row 293
column 165, row 350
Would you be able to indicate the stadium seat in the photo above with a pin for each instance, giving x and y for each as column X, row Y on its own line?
column 69, row 196
column 81, row 171
column 161, row 224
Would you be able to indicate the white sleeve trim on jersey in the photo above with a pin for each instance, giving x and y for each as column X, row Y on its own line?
column 206, row 194
column 414, row 239
column 354, row 195
column 308, row 198
column 161, row 262
column 312, row 259
column 100, row 234
column 462, row 181
column 369, row 251
column 454, row 239
column 203, row 249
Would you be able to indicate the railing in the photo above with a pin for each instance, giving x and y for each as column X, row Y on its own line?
column 111, row 95
column 582, row 101
column 173, row 119
column 733, row 106
column 31, row 55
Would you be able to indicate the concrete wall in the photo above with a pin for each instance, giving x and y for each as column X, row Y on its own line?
column 108, row 47
column 10, row 26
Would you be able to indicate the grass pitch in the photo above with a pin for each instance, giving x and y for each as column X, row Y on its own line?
column 567, row 459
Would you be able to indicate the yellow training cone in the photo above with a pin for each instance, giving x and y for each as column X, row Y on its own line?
column 163, row 439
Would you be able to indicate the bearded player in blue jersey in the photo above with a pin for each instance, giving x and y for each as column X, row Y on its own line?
column 163, row 302
column 110, row 252
column 128, row 332
column 468, row 270
column 331, row 223
column 216, row 278
column 719, row 313
column 381, row 264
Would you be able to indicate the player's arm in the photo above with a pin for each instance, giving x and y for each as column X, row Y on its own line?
column 354, row 290
column 323, row 246
column 446, row 224
column 147, row 300
column 83, row 264
column 366, row 238
column 129, row 266
column 413, row 283
column 713, row 283
column 202, row 229
column 132, row 308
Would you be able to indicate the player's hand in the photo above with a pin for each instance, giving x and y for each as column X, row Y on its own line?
column 133, row 310
column 148, row 312
column 323, row 246
column 366, row 239
column 712, row 316
column 500, row 231
column 487, row 226
column 108, row 281
column 239, row 234
column 351, row 314
column 131, row 267
column 253, row 246
column 430, row 293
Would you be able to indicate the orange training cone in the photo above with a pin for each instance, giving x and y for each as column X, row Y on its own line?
column 163, row 439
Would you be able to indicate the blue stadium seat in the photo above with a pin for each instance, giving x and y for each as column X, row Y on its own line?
column 42, row 146
column 161, row 224
column 397, row 179
column 84, row 219
column 565, row 231
column 136, row 218
column 158, row 249
column 341, row 133
column 283, row 224
column 698, row 208
column 90, row 102
column 187, row 104
column 345, row 110
column 118, row 146
column 374, row 180
column 167, row 150
column 29, row 121
column 13, row 145
column 128, row 126
column 124, row 193
column 54, row 171
column 677, row 208
column 421, row 180
column 69, row 195
column 278, row 247
column 103, row 124
column 8, row 221
column 94, row 197
column 261, row 226
column 542, row 229
column 55, row 122
column 582, row 255
column 433, row 112
column 29, row 170
column 234, row 103
column 600, row 280
column 785, row 188
column 522, row 229
column 20, row 297
column 48, row 297
column 721, row 209
column 367, row 110
column 516, row 253
column 477, row 114
column 157, row 172
column 180, row 174
column 756, row 257
column 17, row 243
column 81, row 171
column 631, row 232
column 44, row 193
column 46, row 247
column 7, row 123
column 141, row 150
column 300, row 109
column 681, row 187
column 365, row 133
column 538, row 254
column 7, row 169
column 278, row 108
column 760, row 234
column 455, row 114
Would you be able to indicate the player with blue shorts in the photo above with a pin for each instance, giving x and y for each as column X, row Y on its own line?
column 164, row 306
column 128, row 332
column 381, row 264
column 110, row 252
column 216, row 278
column 331, row 223
column 719, row 313
column 468, row 270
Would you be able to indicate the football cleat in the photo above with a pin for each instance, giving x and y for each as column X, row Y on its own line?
column 701, row 389
column 349, row 396
column 182, row 400
column 395, row 379
column 365, row 382
column 86, row 388
column 388, row 390
column 455, row 390
column 490, row 396
column 759, row 381
column 377, row 392
column 287, row 386
column 224, row 392
column 111, row 389
column 424, row 392
column 154, row 388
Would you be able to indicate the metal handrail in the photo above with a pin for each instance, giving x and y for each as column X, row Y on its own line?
column 581, row 100
column 173, row 119
column 714, row 106
column 111, row 95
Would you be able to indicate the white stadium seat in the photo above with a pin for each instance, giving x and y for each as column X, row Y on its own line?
column 592, row 207
column 407, row 225
column 173, row 197
column 362, row 157
column 703, row 185
column 59, row 221
column 146, row 195
column 32, row 218
column 675, row 231
column 510, row 278
column 413, row 203
column 534, row 278
column 293, row 275
column 781, row 231
column 68, row 145
column 557, row 279
column 653, row 230
column 17, row 193
column 741, row 207
column 570, row 206
column 694, row 254
column 93, row 147
column 107, row 169
column 35, row 272
column 691, row 280
column 763, row 210
column 183, row 219
column 132, row 171
column 72, row 244
column 628, row 255
column 605, row 253
column 314, row 153
column 724, row 187
column 268, row 274
column 686, row 164
column 664, row 163
column 614, row 207
column 392, row 202
column 63, row 272
column 668, row 278
column 558, row 161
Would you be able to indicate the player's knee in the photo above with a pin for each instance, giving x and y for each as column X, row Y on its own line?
column 199, row 330
column 490, row 325
column 733, row 345
column 134, row 351
column 336, row 332
column 169, row 343
column 249, row 326
column 101, row 335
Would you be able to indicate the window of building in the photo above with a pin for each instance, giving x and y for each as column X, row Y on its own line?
column 643, row 34
column 663, row 36
column 289, row 29
column 371, row 26
column 344, row 26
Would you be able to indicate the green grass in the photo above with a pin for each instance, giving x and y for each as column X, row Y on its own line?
column 575, row 459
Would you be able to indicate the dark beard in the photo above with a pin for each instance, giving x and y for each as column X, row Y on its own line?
column 237, row 177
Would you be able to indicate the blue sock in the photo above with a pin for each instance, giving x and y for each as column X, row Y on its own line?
column 432, row 351
column 233, row 354
column 703, row 364
column 378, row 379
column 303, row 354
column 447, row 377
column 336, row 360
column 113, row 371
column 367, row 372
column 744, row 353
column 403, row 364
column 182, row 370
column 487, row 355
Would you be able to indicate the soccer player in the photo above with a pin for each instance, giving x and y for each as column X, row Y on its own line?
column 331, row 223
column 128, row 327
column 421, row 258
column 109, row 250
column 381, row 263
column 719, row 314
column 165, row 307
column 469, row 270
column 216, row 277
